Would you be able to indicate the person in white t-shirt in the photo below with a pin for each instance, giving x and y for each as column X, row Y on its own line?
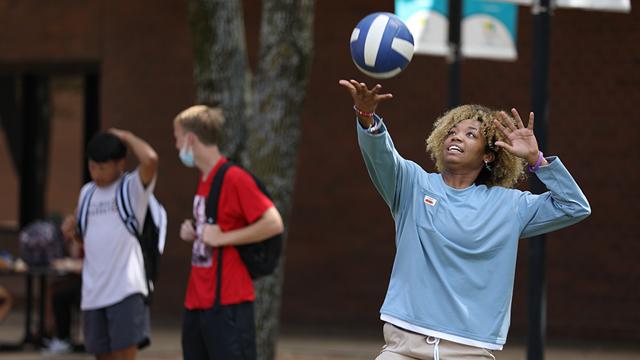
column 116, row 318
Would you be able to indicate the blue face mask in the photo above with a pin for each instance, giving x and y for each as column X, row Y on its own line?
column 186, row 156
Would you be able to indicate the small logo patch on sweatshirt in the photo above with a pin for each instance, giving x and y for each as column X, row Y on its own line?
column 430, row 201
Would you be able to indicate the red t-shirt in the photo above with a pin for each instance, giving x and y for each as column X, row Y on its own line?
column 241, row 203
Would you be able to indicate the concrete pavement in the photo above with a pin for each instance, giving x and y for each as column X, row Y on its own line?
column 304, row 346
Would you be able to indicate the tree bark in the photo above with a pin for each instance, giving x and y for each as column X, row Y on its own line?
column 220, row 65
column 270, row 111
column 286, row 50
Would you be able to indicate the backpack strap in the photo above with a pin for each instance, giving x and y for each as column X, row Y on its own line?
column 214, row 194
column 159, row 216
column 128, row 216
column 83, row 211
column 125, row 210
column 218, row 294
column 211, row 210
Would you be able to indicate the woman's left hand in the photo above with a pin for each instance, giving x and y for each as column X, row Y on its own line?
column 520, row 140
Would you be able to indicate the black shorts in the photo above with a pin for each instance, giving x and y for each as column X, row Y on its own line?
column 118, row 326
column 225, row 332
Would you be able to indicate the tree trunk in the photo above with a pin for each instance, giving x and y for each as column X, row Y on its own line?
column 286, row 50
column 220, row 65
column 270, row 111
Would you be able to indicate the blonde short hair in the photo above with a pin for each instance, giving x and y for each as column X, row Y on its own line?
column 506, row 169
column 204, row 121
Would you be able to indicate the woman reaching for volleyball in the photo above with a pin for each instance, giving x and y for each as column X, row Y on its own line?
column 457, row 230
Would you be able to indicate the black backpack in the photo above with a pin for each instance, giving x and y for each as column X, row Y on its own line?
column 154, row 229
column 260, row 258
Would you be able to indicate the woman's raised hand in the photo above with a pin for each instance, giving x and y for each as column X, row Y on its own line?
column 520, row 140
column 365, row 99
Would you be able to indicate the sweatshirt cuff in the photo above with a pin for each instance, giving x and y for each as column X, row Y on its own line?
column 376, row 128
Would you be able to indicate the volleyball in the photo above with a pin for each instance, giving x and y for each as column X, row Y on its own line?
column 381, row 45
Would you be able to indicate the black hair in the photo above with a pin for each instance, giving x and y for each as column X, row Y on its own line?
column 105, row 146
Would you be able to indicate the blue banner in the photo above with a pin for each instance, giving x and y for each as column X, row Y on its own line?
column 489, row 29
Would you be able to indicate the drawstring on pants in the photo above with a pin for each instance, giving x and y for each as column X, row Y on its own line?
column 436, row 350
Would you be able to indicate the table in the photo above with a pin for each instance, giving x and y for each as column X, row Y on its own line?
column 37, row 275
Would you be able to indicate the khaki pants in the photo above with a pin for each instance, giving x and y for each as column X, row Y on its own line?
column 405, row 345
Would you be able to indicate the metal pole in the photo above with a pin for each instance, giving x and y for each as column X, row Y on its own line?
column 35, row 147
column 537, row 245
column 455, row 19
column 42, row 278
column 91, row 115
column 28, row 334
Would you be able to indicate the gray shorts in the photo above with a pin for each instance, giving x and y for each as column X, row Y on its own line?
column 118, row 326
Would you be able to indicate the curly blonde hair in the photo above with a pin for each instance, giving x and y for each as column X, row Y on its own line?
column 506, row 169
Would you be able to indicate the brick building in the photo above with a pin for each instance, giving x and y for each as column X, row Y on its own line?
column 137, row 56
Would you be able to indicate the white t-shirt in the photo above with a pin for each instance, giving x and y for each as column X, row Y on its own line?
column 113, row 265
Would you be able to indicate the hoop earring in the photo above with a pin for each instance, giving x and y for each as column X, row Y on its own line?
column 486, row 165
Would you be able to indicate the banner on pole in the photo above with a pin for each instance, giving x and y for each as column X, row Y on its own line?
column 488, row 28
column 428, row 22
column 596, row 5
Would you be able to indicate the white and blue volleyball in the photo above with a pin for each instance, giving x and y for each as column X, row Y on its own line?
column 381, row 45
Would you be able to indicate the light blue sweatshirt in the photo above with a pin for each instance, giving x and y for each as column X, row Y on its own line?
column 456, row 249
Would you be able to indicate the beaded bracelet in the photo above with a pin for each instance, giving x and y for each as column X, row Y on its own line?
column 362, row 113
column 535, row 167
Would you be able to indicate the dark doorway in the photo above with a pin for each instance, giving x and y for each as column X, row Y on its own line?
column 47, row 115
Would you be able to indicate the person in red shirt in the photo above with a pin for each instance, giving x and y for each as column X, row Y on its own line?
column 219, row 328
